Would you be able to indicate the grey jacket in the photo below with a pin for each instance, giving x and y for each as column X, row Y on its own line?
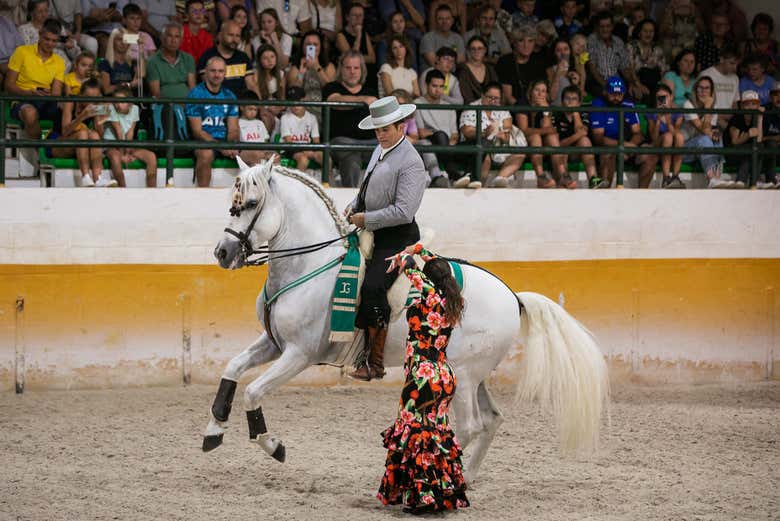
column 396, row 187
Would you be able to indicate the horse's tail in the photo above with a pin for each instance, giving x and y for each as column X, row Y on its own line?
column 563, row 368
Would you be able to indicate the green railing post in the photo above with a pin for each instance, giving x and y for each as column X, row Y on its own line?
column 168, row 142
column 326, row 141
column 2, row 143
column 621, row 142
column 478, row 157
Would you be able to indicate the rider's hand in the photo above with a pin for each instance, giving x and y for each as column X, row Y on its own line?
column 358, row 219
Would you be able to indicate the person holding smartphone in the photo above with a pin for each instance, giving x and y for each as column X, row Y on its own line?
column 101, row 17
column 664, row 131
column 34, row 70
column 313, row 72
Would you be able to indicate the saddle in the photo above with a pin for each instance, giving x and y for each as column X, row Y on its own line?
column 399, row 291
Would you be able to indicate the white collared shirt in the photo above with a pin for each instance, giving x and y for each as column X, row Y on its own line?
column 385, row 151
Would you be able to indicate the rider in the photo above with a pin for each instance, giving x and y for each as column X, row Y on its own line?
column 389, row 196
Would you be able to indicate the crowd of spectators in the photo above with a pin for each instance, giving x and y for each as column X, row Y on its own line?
column 667, row 54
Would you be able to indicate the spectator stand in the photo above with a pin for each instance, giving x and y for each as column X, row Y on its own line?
column 178, row 172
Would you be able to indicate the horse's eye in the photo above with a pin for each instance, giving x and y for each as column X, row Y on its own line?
column 252, row 203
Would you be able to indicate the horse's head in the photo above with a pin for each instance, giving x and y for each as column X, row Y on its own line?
column 255, row 215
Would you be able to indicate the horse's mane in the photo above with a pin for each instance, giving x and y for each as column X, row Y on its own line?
column 253, row 178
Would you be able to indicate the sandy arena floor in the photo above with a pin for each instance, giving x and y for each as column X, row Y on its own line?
column 673, row 453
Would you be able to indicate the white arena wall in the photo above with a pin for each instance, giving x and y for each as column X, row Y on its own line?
column 111, row 288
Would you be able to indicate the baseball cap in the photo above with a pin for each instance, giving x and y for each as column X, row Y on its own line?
column 615, row 85
column 775, row 87
column 749, row 95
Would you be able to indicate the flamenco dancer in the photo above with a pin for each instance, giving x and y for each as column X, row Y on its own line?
column 423, row 467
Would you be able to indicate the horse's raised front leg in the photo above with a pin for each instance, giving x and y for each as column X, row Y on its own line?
column 258, row 353
column 292, row 362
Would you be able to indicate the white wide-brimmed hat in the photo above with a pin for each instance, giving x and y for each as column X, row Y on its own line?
column 385, row 111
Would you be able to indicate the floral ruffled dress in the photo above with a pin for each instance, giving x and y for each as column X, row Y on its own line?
column 423, row 467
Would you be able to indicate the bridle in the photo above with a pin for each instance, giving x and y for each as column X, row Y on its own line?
column 264, row 252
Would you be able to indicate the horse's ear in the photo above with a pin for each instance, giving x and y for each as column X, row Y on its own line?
column 241, row 165
column 268, row 166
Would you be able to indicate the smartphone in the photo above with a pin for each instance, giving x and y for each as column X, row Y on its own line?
column 63, row 39
column 310, row 52
column 112, row 5
column 130, row 39
column 101, row 110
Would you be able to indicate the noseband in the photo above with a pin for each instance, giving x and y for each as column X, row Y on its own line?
column 264, row 252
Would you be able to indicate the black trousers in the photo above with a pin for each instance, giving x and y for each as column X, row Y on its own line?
column 374, row 309
column 448, row 162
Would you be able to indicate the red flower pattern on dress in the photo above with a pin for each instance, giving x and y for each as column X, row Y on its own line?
column 423, row 467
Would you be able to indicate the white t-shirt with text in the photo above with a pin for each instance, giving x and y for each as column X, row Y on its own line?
column 301, row 130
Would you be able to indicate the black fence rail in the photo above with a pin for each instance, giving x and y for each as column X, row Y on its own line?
column 477, row 150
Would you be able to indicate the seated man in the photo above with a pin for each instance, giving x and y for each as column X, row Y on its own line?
column 170, row 73
column 34, row 70
column 445, row 63
column 217, row 122
column 350, row 86
column 605, row 130
column 438, row 127
column 441, row 36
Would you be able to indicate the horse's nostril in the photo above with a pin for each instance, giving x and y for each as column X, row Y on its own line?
column 221, row 253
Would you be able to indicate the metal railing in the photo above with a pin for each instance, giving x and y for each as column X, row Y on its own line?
column 479, row 149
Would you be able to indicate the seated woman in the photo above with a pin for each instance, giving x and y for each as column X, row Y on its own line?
column 240, row 15
column 271, row 34
column 539, row 131
column 397, row 72
column 270, row 84
column 562, row 71
column 397, row 25
column 680, row 79
column 313, row 72
column 118, row 69
column 353, row 37
column 647, row 57
column 664, row 131
column 83, row 121
column 702, row 131
column 475, row 73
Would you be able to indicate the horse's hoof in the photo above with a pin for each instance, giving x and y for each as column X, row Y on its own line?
column 279, row 454
column 212, row 442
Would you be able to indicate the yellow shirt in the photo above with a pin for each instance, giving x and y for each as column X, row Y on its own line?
column 35, row 72
column 72, row 83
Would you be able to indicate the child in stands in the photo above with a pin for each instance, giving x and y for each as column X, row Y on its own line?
column 300, row 126
column 122, row 119
column 252, row 130
column 83, row 69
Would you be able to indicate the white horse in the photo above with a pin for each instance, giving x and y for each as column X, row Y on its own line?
column 561, row 367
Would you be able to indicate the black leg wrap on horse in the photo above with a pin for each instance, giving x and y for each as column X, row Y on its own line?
column 224, row 399
column 256, row 423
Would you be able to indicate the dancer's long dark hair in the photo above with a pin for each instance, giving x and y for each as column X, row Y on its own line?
column 439, row 272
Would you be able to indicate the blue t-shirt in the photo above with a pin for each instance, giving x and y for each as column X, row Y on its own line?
column 118, row 73
column 745, row 83
column 609, row 120
column 664, row 127
column 213, row 118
